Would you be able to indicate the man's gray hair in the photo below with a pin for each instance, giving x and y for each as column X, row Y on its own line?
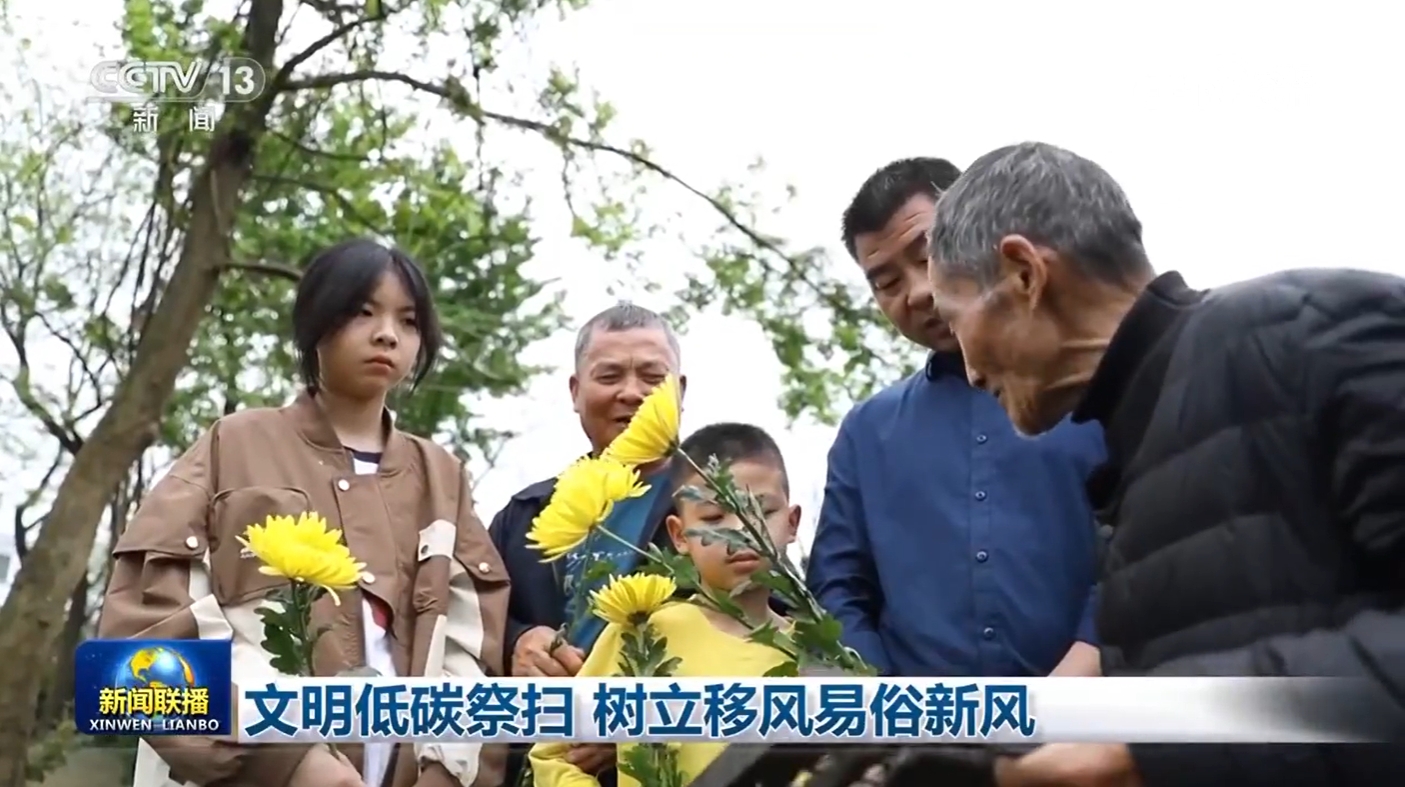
column 625, row 316
column 1052, row 197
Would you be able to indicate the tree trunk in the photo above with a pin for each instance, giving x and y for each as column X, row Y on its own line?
column 33, row 614
column 58, row 689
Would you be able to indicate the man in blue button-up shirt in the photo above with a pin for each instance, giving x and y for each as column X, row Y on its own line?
column 948, row 544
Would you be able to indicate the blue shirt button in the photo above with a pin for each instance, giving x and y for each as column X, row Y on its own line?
column 982, row 556
column 988, row 632
column 980, row 495
column 980, row 438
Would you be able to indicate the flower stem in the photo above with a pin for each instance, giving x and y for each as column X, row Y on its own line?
column 729, row 499
column 608, row 532
column 754, row 523
column 300, row 600
column 703, row 590
column 563, row 634
column 561, row 638
column 301, row 603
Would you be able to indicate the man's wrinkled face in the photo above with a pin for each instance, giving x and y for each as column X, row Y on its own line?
column 894, row 261
column 1009, row 342
column 618, row 370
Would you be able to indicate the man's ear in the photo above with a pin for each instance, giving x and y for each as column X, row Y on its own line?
column 675, row 533
column 682, row 387
column 1025, row 267
column 575, row 386
column 793, row 523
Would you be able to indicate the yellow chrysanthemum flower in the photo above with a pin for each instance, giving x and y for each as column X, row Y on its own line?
column 630, row 600
column 586, row 493
column 653, row 431
column 303, row 550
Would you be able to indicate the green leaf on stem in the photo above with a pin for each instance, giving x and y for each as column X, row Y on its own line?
column 672, row 564
column 779, row 586
column 288, row 635
column 692, row 494
column 822, row 634
column 668, row 667
column 280, row 643
column 736, row 540
column 654, row 764
column 725, row 605
column 786, row 669
column 597, row 571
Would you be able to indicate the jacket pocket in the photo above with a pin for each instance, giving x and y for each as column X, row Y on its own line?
column 444, row 550
column 435, row 551
column 235, row 576
column 476, row 553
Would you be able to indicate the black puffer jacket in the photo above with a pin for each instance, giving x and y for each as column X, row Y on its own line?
column 1256, row 491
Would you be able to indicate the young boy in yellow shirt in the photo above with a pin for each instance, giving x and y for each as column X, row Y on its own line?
column 707, row 643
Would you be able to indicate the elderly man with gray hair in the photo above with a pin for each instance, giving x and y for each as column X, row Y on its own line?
column 1255, row 482
column 622, row 354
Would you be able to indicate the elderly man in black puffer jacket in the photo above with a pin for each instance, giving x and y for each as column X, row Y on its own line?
column 1256, row 475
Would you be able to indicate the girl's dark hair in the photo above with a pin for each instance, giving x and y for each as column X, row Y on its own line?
column 339, row 281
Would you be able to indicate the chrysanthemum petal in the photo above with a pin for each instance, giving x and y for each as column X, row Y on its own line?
column 584, row 496
column 653, row 431
column 303, row 550
column 627, row 600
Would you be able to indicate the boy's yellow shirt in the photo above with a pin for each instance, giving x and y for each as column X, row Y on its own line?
column 703, row 652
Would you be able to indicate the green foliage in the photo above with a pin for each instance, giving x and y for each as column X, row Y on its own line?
column 50, row 752
column 654, row 764
column 288, row 634
column 335, row 163
column 341, row 157
column 644, row 654
column 834, row 345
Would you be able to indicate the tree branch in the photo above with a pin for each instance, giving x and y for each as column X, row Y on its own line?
column 455, row 94
column 69, row 441
column 329, row 193
column 265, row 268
column 80, row 358
column 285, row 73
column 33, row 612
column 311, row 151
column 21, row 528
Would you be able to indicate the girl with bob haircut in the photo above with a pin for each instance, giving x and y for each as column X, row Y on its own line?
column 433, row 598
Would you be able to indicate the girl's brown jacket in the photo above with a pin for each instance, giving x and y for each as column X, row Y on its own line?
column 179, row 573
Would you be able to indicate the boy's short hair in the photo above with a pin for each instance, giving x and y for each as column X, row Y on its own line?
column 729, row 443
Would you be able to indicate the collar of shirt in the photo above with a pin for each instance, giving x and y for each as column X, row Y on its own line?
column 1158, row 307
column 314, row 428
column 945, row 364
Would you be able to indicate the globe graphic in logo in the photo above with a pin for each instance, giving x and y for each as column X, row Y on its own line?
column 154, row 668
